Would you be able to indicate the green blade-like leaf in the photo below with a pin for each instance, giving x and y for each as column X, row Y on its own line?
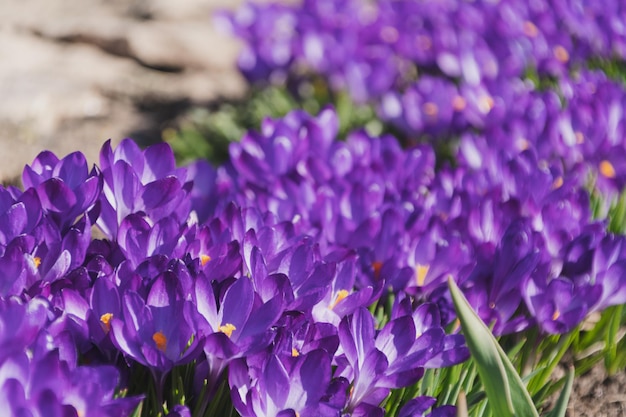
column 506, row 393
column 461, row 405
column 560, row 408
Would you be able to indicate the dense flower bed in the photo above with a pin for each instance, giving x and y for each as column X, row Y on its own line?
column 307, row 276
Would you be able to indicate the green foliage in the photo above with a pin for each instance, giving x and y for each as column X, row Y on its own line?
column 505, row 390
column 206, row 132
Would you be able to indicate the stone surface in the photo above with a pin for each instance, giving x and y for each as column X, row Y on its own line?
column 74, row 74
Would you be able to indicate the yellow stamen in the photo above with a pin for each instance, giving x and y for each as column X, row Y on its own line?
column 523, row 144
column 556, row 314
column 294, row 352
column 340, row 296
column 227, row 329
column 561, row 53
column 558, row 182
column 430, row 109
column 204, row 259
column 160, row 340
column 420, row 274
column 580, row 138
column 530, row 29
column 389, row 34
column 377, row 267
column 485, row 104
column 607, row 169
column 423, row 42
column 37, row 261
column 105, row 319
column 458, row 103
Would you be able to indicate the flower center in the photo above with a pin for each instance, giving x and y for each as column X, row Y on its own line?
column 430, row 109
column 558, row 182
column 340, row 296
column 160, row 340
column 204, row 259
column 377, row 266
column 561, row 54
column 607, row 169
column 105, row 319
column 458, row 103
column 530, row 29
column 227, row 329
column 420, row 274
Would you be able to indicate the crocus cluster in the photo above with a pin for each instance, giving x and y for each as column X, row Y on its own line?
column 137, row 267
column 261, row 274
column 307, row 275
column 508, row 225
column 438, row 70
column 372, row 47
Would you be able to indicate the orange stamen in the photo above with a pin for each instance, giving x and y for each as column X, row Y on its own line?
column 430, row 109
column 105, row 319
column 530, row 29
column 160, row 340
column 204, row 259
column 458, row 103
column 227, row 329
column 340, row 296
column 561, row 53
column 607, row 169
column 377, row 267
column 420, row 274
column 558, row 182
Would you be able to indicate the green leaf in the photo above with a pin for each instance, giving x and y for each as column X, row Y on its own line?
column 506, row 393
column 461, row 405
column 560, row 408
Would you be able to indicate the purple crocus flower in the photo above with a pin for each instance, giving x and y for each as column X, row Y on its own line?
column 21, row 323
column 141, row 181
column 66, row 187
column 287, row 386
column 154, row 331
column 393, row 358
column 45, row 386
column 93, row 315
column 418, row 407
column 234, row 325
column 18, row 215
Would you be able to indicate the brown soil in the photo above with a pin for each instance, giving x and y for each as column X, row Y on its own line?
column 596, row 394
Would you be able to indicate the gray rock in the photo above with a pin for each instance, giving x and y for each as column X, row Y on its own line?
column 74, row 74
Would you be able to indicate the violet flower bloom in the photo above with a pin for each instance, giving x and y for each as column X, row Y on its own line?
column 235, row 325
column 66, row 187
column 45, row 386
column 155, row 332
column 21, row 322
column 179, row 411
column 393, row 358
column 19, row 215
column 92, row 316
column 138, row 238
column 559, row 305
column 417, row 407
column 59, row 255
column 141, row 181
column 287, row 386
